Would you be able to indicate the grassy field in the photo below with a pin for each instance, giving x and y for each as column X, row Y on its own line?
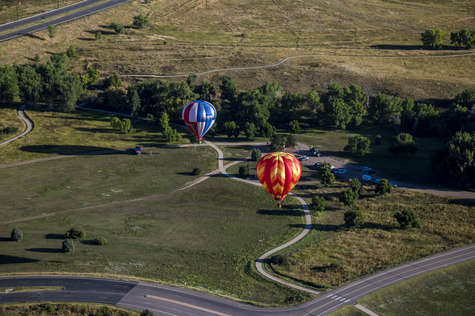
column 77, row 132
column 71, row 309
column 379, row 243
column 348, row 311
column 11, row 11
column 353, row 41
column 9, row 118
column 443, row 292
column 206, row 237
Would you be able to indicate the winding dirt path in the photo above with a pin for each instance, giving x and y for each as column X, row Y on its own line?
column 28, row 124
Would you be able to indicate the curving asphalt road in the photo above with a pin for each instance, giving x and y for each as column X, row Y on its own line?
column 28, row 123
column 174, row 301
column 70, row 17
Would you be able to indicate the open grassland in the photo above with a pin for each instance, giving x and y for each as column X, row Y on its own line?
column 348, row 311
column 371, row 43
column 415, row 168
column 11, row 10
column 58, row 133
column 71, row 309
column 332, row 255
column 443, row 292
column 78, row 182
column 9, row 118
column 205, row 237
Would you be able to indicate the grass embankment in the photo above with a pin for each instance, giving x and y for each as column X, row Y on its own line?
column 78, row 132
column 30, row 289
column 348, row 311
column 443, row 292
column 9, row 118
column 71, row 309
column 206, row 237
column 333, row 255
column 352, row 41
column 11, row 11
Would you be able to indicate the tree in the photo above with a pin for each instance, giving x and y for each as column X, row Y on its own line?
column 250, row 130
column 68, row 245
column 385, row 109
column 69, row 91
column 256, row 154
column 278, row 142
column 134, row 102
column 29, row 84
column 338, row 112
column 75, row 233
column 231, row 129
column 456, row 162
column 353, row 218
column 72, row 51
column 348, row 197
column 383, row 187
column 140, row 21
column 466, row 98
column 205, row 90
column 403, row 143
column 463, row 38
column 98, row 35
column 432, row 38
column 356, row 99
column 378, row 140
column 118, row 28
column 146, row 312
column 326, row 176
column 163, row 122
column 9, row 90
column 52, row 30
column 355, row 185
column 112, row 81
column 268, row 131
column 171, row 135
column 318, row 204
column 406, row 218
column 358, row 145
column 16, row 234
column 290, row 140
column 294, row 126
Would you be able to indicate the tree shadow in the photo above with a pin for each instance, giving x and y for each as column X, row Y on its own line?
column 97, row 130
column 5, row 259
column 54, row 236
column 320, row 227
column 412, row 47
column 5, row 239
column 71, row 150
column 305, row 187
column 185, row 173
column 103, row 32
column 281, row 212
column 465, row 202
column 88, row 242
column 87, row 39
column 45, row 250
column 378, row 226
column 34, row 36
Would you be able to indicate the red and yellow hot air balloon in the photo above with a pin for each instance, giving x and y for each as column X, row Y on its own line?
column 278, row 173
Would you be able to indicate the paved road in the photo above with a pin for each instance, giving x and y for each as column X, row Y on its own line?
column 29, row 127
column 173, row 301
column 70, row 17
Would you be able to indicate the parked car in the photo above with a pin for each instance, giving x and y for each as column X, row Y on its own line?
column 394, row 184
column 368, row 170
column 317, row 165
column 366, row 178
column 339, row 171
column 303, row 158
column 314, row 152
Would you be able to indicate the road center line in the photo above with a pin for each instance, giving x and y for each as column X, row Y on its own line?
column 186, row 305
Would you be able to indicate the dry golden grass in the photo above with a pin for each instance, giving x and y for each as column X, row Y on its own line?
column 186, row 37
column 380, row 243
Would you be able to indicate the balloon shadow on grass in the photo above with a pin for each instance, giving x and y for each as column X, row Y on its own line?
column 281, row 212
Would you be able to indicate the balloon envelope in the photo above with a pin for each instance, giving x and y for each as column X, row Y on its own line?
column 278, row 173
column 199, row 117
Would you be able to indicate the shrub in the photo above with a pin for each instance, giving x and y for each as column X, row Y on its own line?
column 406, row 218
column 51, row 30
column 100, row 241
column 140, row 21
column 250, row 130
column 403, row 143
column 355, row 185
column 16, row 235
column 112, row 81
column 196, row 171
column 244, row 171
column 294, row 126
column 278, row 259
column 8, row 130
column 326, row 176
column 432, row 38
column 75, row 233
column 98, row 35
column 358, row 145
column 118, row 28
column 384, row 187
column 72, row 51
column 256, row 154
column 349, row 197
column 146, row 312
column 318, row 204
column 353, row 218
column 171, row 135
column 68, row 245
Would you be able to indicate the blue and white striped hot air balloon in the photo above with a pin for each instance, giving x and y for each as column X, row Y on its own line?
column 199, row 117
